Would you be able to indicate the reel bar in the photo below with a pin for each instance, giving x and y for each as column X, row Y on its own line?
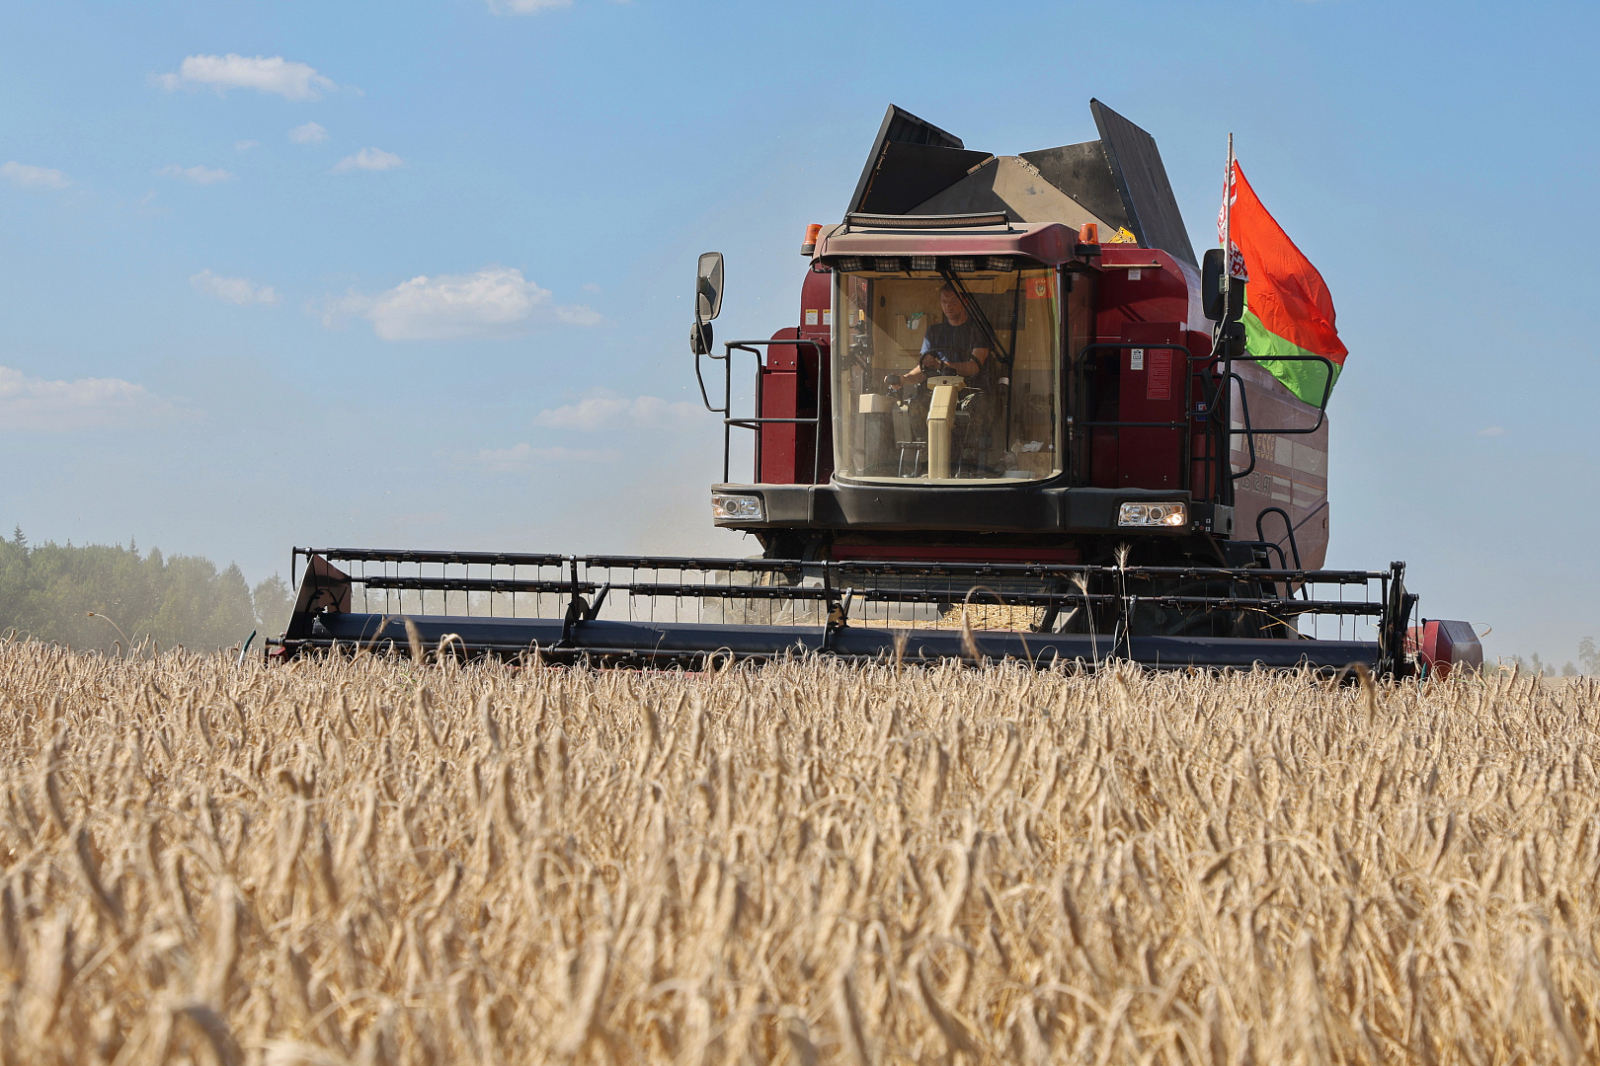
column 852, row 566
column 475, row 584
column 663, row 562
column 730, row 592
column 1007, row 598
column 382, row 555
column 1002, row 598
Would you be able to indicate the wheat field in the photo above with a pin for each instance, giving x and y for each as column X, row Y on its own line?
column 373, row 861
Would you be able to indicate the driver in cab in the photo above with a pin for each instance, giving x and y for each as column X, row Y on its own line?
column 956, row 346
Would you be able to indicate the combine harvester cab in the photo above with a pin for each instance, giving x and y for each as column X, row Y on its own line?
column 1016, row 418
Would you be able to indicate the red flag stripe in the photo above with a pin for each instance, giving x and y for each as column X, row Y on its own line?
column 1285, row 291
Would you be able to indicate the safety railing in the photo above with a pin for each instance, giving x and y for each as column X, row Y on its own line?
column 1248, row 431
column 729, row 423
column 1196, row 410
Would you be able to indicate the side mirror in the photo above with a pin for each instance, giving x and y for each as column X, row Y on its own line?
column 708, row 287
column 1211, row 268
column 700, row 338
column 1221, row 297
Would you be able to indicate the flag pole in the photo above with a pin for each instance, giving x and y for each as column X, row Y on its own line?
column 1227, row 300
column 1227, row 216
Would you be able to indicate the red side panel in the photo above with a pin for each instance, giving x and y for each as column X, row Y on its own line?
column 1443, row 645
column 1153, row 384
column 814, row 387
column 776, row 398
column 1208, row 457
column 1291, row 470
column 1134, row 290
column 1103, row 457
column 793, row 383
column 1142, row 295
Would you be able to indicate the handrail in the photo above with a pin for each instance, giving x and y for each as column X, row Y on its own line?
column 1118, row 346
column 754, row 424
column 1288, row 524
column 1249, row 432
column 1327, row 389
column 1186, row 460
column 1249, row 436
column 1294, row 548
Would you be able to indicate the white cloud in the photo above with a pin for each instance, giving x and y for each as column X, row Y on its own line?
column 522, row 456
column 233, row 290
column 525, row 7
column 29, row 177
column 334, row 309
column 1491, row 431
column 30, row 403
column 293, row 81
column 197, row 174
column 244, row 146
column 494, row 302
column 369, row 159
column 601, row 408
column 310, row 133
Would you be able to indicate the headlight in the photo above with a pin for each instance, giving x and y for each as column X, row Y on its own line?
column 726, row 507
column 1153, row 514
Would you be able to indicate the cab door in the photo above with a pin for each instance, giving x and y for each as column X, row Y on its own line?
column 1152, row 387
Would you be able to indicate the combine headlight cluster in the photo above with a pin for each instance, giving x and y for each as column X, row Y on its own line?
column 961, row 264
column 726, row 507
column 1153, row 514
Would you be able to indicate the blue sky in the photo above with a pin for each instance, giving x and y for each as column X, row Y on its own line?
column 418, row 274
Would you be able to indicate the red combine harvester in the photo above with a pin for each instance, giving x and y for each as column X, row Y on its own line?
column 1016, row 418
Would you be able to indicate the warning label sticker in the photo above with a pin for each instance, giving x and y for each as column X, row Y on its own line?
column 1158, row 380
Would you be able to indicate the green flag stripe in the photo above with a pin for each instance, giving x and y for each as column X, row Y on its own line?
column 1306, row 378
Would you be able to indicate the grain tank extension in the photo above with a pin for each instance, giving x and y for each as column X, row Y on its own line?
column 1014, row 416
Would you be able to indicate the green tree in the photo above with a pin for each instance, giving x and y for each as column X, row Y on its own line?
column 274, row 600
column 102, row 596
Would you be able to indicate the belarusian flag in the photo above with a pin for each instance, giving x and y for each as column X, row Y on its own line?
column 1288, row 309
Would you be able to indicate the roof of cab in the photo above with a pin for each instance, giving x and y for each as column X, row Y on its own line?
column 1047, row 242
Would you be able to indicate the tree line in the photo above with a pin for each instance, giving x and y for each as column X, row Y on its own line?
column 99, row 596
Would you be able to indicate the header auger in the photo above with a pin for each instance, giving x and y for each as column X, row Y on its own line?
column 1016, row 418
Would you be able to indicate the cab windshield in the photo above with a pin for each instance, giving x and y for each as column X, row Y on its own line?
column 947, row 375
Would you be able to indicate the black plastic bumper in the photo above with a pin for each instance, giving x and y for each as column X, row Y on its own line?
column 977, row 508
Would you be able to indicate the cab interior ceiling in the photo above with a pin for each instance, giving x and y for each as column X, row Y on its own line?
column 1117, row 181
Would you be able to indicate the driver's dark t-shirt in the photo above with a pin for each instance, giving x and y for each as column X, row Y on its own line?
column 950, row 343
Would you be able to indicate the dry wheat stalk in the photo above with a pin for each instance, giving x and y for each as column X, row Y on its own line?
column 372, row 861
